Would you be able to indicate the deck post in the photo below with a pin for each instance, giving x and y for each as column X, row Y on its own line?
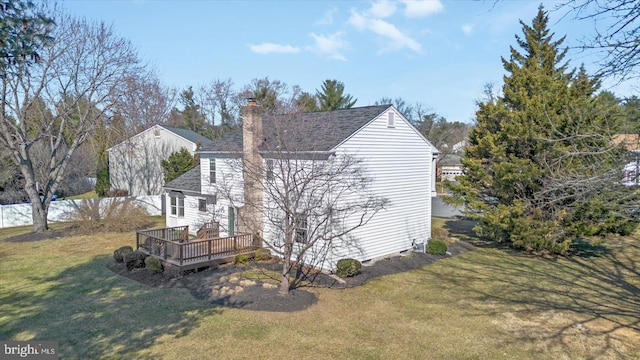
column 166, row 245
column 209, row 248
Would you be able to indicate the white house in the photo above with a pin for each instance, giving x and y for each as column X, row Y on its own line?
column 399, row 161
column 135, row 164
column 449, row 167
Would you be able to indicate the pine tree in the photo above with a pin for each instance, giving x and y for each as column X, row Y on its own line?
column 540, row 160
column 332, row 96
column 177, row 164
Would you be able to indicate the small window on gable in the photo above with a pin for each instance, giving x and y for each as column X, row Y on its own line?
column 156, row 133
column 391, row 119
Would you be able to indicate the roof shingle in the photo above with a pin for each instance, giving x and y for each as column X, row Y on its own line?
column 307, row 132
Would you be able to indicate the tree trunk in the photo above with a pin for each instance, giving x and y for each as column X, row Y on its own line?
column 39, row 215
column 39, row 211
column 285, row 282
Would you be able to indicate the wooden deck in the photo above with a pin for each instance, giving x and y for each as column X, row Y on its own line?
column 177, row 250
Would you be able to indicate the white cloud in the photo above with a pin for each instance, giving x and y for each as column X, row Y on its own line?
column 467, row 29
column 329, row 45
column 327, row 19
column 270, row 48
column 394, row 39
column 382, row 9
column 398, row 40
column 421, row 8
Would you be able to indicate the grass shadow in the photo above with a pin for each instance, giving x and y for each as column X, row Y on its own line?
column 94, row 313
column 554, row 299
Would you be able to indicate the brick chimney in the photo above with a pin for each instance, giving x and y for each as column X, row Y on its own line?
column 251, row 216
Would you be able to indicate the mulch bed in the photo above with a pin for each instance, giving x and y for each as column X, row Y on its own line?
column 207, row 285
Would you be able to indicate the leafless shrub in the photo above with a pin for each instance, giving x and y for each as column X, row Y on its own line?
column 116, row 215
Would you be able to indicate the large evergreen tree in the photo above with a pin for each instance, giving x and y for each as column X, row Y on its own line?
column 332, row 96
column 541, row 169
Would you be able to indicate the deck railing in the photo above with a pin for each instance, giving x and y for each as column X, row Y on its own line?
column 209, row 230
column 178, row 233
column 192, row 251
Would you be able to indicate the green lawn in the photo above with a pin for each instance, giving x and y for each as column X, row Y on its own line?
column 485, row 304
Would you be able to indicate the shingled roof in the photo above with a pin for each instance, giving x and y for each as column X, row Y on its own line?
column 189, row 181
column 318, row 131
column 190, row 135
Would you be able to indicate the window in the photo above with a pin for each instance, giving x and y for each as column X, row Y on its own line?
column 202, row 205
column 301, row 228
column 391, row 119
column 212, row 171
column 177, row 206
column 156, row 133
column 269, row 170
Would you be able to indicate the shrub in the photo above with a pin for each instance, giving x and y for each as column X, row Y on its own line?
column 627, row 228
column 241, row 259
column 119, row 253
column 153, row 264
column 116, row 215
column 436, row 247
column 262, row 254
column 348, row 267
column 134, row 260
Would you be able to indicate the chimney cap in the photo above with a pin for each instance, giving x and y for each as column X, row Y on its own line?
column 251, row 101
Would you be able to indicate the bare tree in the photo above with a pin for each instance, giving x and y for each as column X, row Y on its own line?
column 143, row 102
column 275, row 96
column 76, row 76
column 304, row 200
column 221, row 105
column 617, row 39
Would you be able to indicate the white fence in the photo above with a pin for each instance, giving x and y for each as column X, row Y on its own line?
column 20, row 214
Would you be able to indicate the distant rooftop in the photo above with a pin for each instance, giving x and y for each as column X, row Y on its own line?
column 190, row 135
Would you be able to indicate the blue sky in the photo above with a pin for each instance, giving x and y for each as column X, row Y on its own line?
column 438, row 53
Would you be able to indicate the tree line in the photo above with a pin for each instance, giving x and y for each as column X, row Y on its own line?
column 71, row 89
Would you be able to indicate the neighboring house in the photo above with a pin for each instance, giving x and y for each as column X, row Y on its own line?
column 631, row 142
column 135, row 164
column 398, row 159
column 449, row 167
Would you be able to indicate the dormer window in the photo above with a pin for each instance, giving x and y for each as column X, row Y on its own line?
column 391, row 119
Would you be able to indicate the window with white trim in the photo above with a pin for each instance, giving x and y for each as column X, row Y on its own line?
column 202, row 205
column 269, row 174
column 212, row 171
column 177, row 206
column 301, row 228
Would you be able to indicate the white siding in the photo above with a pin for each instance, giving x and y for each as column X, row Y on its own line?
column 228, row 182
column 135, row 164
column 400, row 162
